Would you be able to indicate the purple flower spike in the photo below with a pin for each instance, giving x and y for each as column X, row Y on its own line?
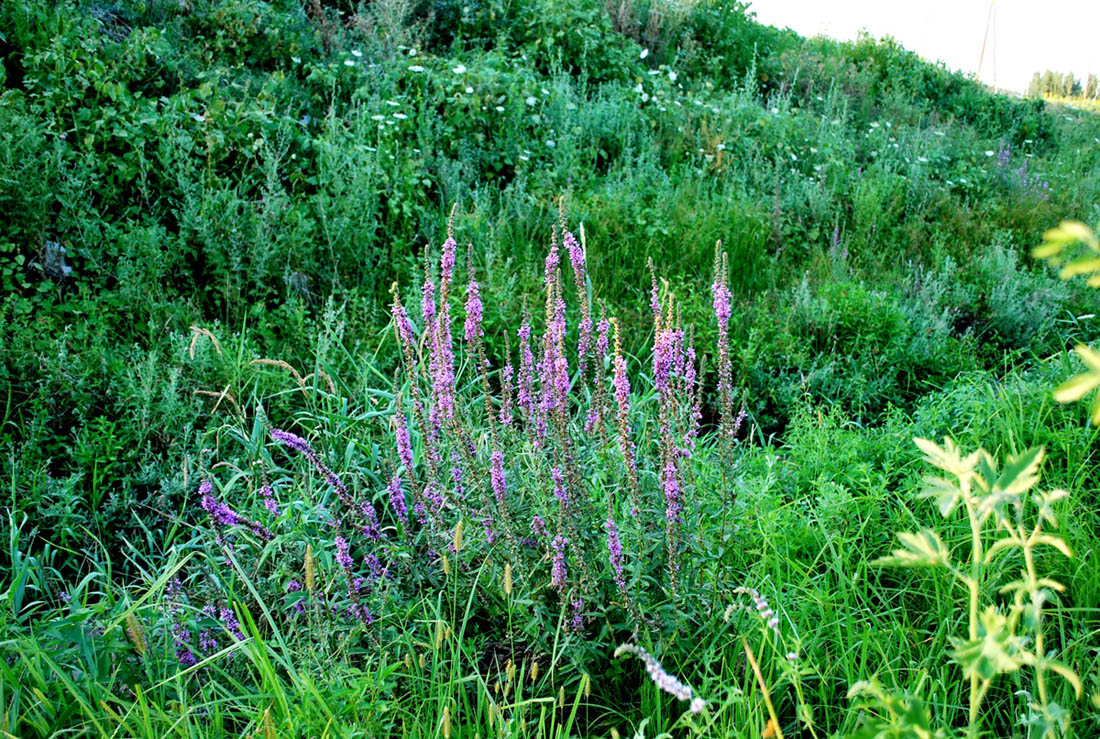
column 615, row 554
column 343, row 558
column 397, row 499
column 427, row 301
column 557, row 571
column 473, row 330
column 576, row 258
column 496, row 476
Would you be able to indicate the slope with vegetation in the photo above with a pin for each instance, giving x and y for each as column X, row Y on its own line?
column 273, row 467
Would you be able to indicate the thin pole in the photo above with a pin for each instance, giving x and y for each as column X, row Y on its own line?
column 988, row 21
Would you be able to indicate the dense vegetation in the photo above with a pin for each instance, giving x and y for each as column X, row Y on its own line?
column 286, row 457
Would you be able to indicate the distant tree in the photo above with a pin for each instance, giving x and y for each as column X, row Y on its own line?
column 1046, row 84
column 1035, row 89
column 1072, row 86
column 1092, row 86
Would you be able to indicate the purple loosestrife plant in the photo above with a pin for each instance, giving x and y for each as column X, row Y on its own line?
column 722, row 311
column 270, row 503
column 615, row 555
column 525, row 387
column 397, row 499
column 496, row 477
column 427, row 300
column 300, row 445
column 472, row 328
column 364, row 512
column 557, row 570
column 622, row 417
column 222, row 516
column 506, row 375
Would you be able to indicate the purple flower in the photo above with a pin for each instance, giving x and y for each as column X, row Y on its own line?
column 447, row 263
column 294, row 587
column 220, row 513
column 401, row 436
column 551, row 265
column 721, row 301
column 232, row 625
column 397, row 499
column 584, row 339
column 671, row 485
column 603, row 330
column 576, row 258
column 490, row 534
column 622, row 387
column 301, row 445
column 557, row 570
column 506, row 392
column 666, row 351
column 559, row 488
column 427, row 301
column 473, row 330
column 370, row 527
column 343, row 558
column 615, row 554
column 456, row 476
column 578, row 615
column 496, row 476
column 538, row 526
column 525, row 394
column 404, row 326
column 432, row 494
column 270, row 503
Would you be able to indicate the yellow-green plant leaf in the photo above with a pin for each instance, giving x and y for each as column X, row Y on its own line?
column 995, row 651
column 1046, row 582
column 922, row 549
column 1055, row 542
column 1076, row 387
column 998, row 546
column 945, row 493
column 1084, row 266
column 1088, row 356
column 1069, row 232
column 1068, row 674
column 1045, row 501
column 948, row 458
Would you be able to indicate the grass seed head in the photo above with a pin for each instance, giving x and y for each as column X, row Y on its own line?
column 311, row 574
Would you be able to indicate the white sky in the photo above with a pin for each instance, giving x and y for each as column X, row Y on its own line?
column 1031, row 35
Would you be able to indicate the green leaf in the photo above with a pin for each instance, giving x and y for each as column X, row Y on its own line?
column 1021, row 473
column 923, row 549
